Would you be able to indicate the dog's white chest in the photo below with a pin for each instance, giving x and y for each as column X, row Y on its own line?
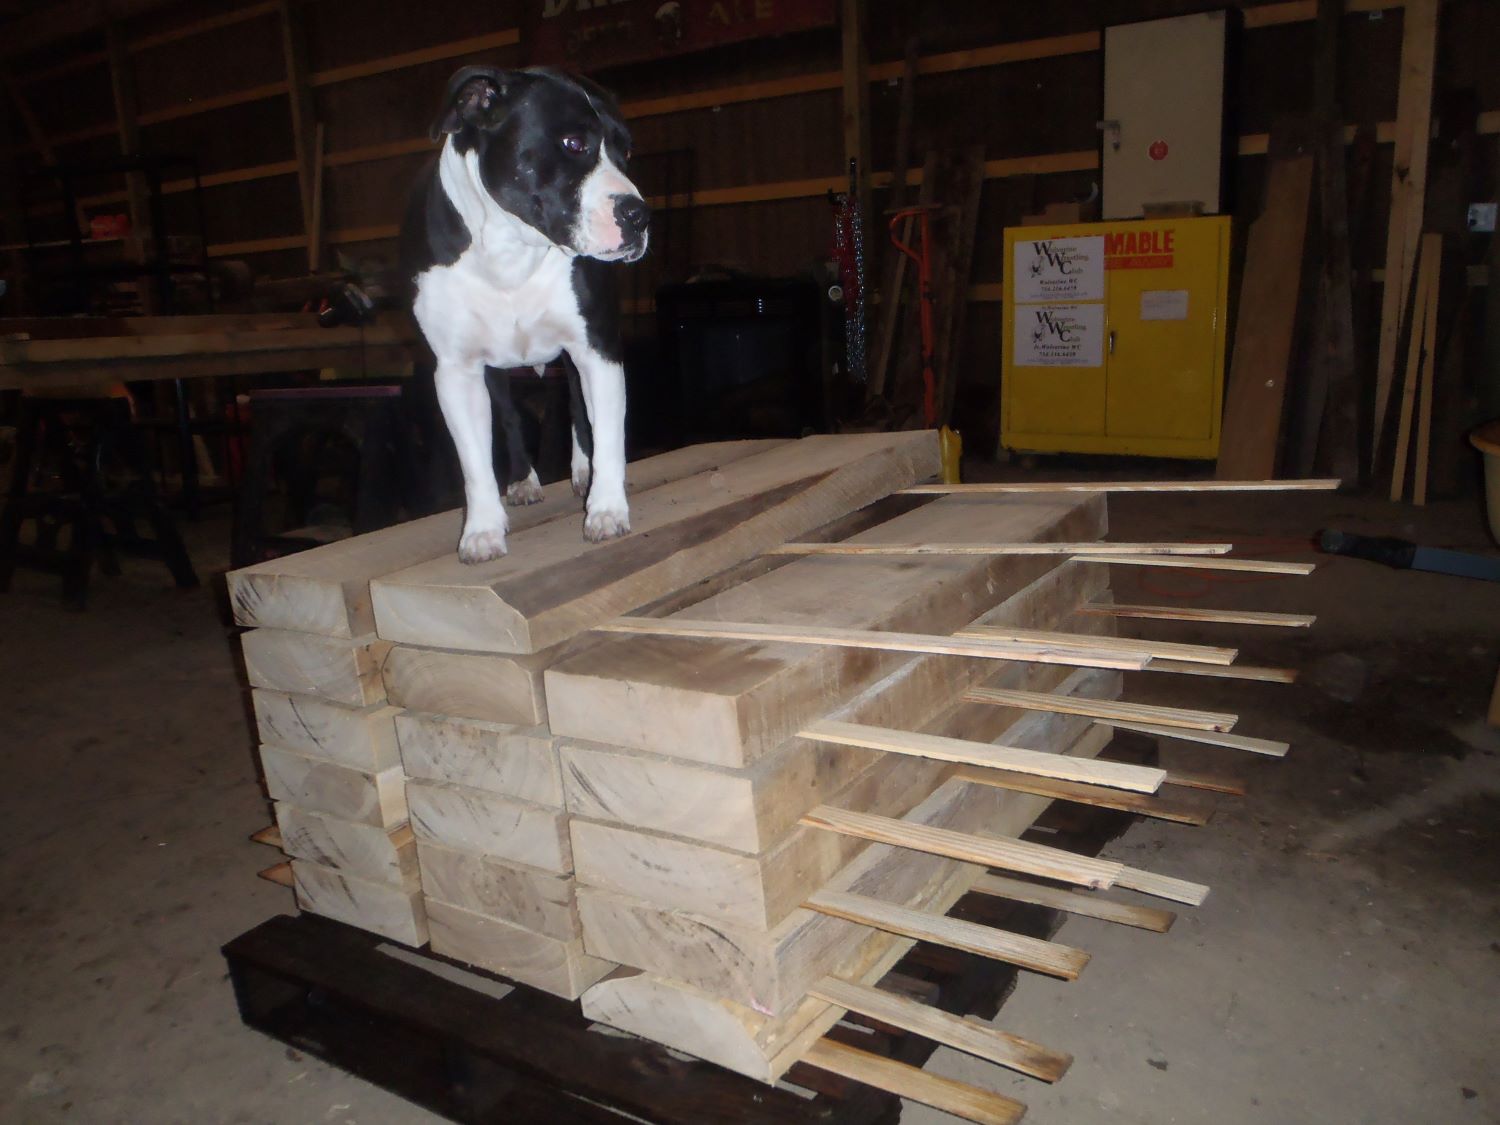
column 470, row 315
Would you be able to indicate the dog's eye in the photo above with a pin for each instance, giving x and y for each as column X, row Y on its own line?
column 574, row 143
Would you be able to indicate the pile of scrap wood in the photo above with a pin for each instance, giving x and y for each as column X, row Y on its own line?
column 715, row 778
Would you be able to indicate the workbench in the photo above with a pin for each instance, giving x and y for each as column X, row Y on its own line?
column 47, row 353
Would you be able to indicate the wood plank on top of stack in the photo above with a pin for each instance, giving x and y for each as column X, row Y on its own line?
column 326, row 590
column 552, row 587
column 730, row 702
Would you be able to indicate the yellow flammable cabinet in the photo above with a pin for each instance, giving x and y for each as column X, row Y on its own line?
column 1114, row 337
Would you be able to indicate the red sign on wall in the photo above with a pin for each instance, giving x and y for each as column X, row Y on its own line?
column 590, row 34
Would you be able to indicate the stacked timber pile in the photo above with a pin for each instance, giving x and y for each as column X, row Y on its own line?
column 716, row 778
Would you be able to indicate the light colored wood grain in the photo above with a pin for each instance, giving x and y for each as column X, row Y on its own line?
column 757, row 804
column 767, row 973
column 1433, row 244
column 1267, row 746
column 1012, row 855
column 1198, row 613
column 1009, row 488
column 731, row 702
column 377, row 798
column 1040, row 763
column 967, row 1035
column 1163, row 886
column 280, row 874
column 343, row 671
column 1159, row 808
column 559, row 967
column 1016, row 949
column 1001, row 549
column 473, row 820
column 553, row 585
column 536, row 900
column 958, row 1098
column 364, row 738
column 1249, row 566
column 728, row 888
column 1156, row 650
column 1226, row 672
column 1076, row 902
column 327, row 590
column 393, row 912
column 872, row 639
column 365, row 851
column 514, row 761
column 491, row 686
column 1104, row 709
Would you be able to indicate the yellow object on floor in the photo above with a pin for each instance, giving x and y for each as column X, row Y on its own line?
column 950, row 451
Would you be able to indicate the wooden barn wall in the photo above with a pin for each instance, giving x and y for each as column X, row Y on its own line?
column 221, row 94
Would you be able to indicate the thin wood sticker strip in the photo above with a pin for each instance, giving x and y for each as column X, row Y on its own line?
column 270, row 835
column 280, row 874
column 967, row 1035
column 1157, row 650
column 1190, row 613
column 874, row 639
column 1023, row 487
column 1035, row 954
column 1163, row 886
column 1270, row 747
column 1208, row 782
column 1095, row 548
column 1077, row 902
column 1159, row 808
column 1227, row 672
column 1107, row 709
column 1251, row 566
column 1007, row 853
column 1122, row 775
column 958, row 1098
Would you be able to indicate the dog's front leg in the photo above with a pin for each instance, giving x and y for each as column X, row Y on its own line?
column 466, row 408
column 603, row 383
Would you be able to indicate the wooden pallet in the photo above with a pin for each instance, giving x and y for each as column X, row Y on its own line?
column 469, row 1055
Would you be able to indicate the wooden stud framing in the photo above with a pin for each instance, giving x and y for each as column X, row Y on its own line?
column 1408, row 189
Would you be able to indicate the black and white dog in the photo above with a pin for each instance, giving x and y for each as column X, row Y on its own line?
column 507, row 243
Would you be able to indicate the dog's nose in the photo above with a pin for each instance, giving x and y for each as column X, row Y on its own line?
column 632, row 213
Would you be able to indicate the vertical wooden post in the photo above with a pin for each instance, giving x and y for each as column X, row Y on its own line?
column 122, row 85
column 1330, row 418
column 1408, row 191
column 299, row 93
column 856, row 68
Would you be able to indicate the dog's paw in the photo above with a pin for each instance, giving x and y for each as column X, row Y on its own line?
column 481, row 545
column 581, row 480
column 523, row 492
column 606, row 523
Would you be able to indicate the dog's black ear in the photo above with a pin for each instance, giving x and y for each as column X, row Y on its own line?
column 476, row 96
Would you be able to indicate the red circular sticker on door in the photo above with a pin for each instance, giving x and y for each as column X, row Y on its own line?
column 1158, row 150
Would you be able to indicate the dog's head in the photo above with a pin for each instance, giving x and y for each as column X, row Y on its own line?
column 551, row 150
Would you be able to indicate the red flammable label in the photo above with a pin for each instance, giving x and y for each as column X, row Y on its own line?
column 1139, row 249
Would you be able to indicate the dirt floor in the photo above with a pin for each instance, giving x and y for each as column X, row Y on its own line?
column 1344, row 969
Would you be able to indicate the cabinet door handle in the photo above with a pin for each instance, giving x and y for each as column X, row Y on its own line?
column 1111, row 341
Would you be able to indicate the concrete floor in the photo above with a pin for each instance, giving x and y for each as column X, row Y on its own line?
column 1344, row 970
